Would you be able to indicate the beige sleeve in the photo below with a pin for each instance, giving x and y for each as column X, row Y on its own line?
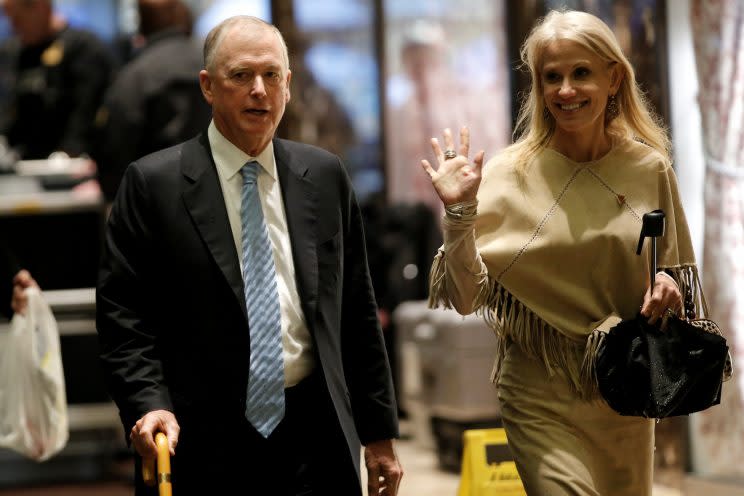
column 459, row 278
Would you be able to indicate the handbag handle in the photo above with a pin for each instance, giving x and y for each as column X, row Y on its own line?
column 163, row 467
column 653, row 227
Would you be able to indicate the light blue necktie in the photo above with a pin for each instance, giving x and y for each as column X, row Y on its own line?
column 264, row 406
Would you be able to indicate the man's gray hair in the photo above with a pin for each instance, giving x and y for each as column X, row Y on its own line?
column 217, row 34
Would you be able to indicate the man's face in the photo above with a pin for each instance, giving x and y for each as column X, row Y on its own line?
column 248, row 87
column 29, row 19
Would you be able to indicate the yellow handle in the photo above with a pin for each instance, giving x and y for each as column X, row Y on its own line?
column 163, row 467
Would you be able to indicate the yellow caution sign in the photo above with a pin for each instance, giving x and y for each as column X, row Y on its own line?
column 488, row 468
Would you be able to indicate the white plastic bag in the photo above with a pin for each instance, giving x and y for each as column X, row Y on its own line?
column 33, row 404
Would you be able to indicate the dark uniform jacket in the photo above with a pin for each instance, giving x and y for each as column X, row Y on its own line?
column 56, row 89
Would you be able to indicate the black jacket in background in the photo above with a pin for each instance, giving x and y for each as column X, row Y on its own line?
column 8, row 269
column 155, row 102
column 56, row 90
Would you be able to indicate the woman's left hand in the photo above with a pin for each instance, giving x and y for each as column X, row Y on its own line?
column 665, row 297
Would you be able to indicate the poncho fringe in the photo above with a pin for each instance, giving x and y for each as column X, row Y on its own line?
column 512, row 321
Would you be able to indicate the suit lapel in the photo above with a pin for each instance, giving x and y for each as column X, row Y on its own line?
column 300, row 206
column 204, row 201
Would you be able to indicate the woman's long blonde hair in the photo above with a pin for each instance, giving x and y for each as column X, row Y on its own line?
column 535, row 126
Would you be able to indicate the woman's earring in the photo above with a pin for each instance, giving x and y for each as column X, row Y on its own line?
column 612, row 110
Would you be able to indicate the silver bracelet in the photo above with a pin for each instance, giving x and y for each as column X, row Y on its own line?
column 462, row 210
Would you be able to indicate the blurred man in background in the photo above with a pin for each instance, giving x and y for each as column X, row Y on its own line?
column 60, row 75
column 155, row 101
column 417, row 112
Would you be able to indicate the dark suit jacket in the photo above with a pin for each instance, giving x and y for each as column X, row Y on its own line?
column 171, row 313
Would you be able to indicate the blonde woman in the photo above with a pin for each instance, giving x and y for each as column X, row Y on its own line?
column 541, row 241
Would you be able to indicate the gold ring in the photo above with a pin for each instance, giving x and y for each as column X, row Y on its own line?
column 449, row 153
column 670, row 312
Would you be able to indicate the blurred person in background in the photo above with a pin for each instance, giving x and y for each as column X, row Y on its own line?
column 429, row 71
column 401, row 241
column 13, row 282
column 155, row 101
column 60, row 75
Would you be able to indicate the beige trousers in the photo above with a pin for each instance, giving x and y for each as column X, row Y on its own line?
column 565, row 446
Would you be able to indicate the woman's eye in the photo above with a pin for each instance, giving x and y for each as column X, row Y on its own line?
column 582, row 72
column 552, row 77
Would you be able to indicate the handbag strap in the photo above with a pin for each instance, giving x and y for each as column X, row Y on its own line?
column 689, row 304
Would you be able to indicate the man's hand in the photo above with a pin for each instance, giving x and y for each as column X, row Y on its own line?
column 143, row 433
column 383, row 468
column 21, row 281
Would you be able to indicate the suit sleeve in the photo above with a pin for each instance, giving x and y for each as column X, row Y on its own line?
column 365, row 359
column 126, row 300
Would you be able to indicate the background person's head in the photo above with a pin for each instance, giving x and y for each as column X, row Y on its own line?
column 246, row 80
column 159, row 15
column 423, row 51
column 32, row 20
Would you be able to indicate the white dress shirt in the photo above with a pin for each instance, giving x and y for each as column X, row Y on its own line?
column 296, row 340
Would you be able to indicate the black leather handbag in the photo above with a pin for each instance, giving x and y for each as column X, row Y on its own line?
column 674, row 367
column 645, row 371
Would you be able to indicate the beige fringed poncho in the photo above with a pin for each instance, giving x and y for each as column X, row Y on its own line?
column 552, row 257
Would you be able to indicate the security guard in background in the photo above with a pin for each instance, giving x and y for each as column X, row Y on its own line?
column 60, row 77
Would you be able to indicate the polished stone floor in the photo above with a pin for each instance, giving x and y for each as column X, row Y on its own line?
column 422, row 477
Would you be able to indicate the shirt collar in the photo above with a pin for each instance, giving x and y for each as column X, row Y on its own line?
column 230, row 159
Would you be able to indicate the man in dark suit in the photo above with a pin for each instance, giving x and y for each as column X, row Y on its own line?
column 176, row 319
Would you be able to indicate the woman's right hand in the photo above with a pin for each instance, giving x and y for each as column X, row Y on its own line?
column 455, row 180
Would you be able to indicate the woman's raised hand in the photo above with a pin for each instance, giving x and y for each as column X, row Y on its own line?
column 455, row 180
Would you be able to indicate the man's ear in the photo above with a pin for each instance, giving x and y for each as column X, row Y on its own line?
column 205, row 83
column 289, row 79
